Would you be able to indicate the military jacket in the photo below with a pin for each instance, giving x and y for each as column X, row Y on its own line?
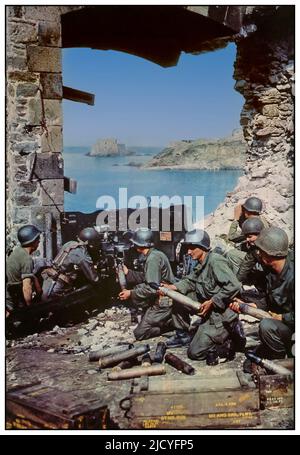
column 157, row 268
column 77, row 255
column 213, row 279
column 280, row 293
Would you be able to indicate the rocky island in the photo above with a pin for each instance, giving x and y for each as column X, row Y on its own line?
column 216, row 154
column 108, row 147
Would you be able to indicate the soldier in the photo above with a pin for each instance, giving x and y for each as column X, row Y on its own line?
column 250, row 270
column 75, row 257
column 276, row 334
column 20, row 280
column 157, row 312
column 251, row 207
column 213, row 284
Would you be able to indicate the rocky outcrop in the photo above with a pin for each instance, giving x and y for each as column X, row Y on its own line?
column 226, row 153
column 107, row 147
column 264, row 71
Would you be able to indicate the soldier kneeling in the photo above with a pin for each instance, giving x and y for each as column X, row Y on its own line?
column 74, row 258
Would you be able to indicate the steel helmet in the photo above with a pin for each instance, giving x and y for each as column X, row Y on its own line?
column 142, row 237
column 198, row 237
column 253, row 204
column 273, row 241
column 89, row 235
column 28, row 234
column 252, row 225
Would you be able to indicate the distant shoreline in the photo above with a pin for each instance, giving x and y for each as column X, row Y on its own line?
column 189, row 168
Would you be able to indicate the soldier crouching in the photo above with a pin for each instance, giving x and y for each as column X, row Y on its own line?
column 21, row 283
column 213, row 284
column 74, row 259
column 157, row 312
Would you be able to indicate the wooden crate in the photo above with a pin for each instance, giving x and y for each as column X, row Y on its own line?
column 276, row 390
column 43, row 407
column 193, row 403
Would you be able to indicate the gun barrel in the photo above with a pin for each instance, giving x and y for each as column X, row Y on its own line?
column 113, row 360
column 179, row 364
column 254, row 312
column 100, row 354
column 180, row 298
column 153, row 370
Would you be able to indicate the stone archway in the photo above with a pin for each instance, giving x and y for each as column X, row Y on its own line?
column 264, row 74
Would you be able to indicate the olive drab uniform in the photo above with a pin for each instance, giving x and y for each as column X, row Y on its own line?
column 19, row 265
column 280, row 298
column 236, row 255
column 251, row 271
column 71, row 260
column 212, row 279
column 157, row 317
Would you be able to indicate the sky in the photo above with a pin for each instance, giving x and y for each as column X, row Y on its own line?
column 141, row 103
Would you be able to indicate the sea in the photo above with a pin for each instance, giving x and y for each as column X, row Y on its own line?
column 101, row 178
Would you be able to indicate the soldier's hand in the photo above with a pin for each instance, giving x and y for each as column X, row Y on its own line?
column 169, row 286
column 205, row 308
column 276, row 316
column 237, row 212
column 125, row 294
column 235, row 306
column 125, row 269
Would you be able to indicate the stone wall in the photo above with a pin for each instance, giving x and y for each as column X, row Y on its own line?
column 34, row 116
column 264, row 71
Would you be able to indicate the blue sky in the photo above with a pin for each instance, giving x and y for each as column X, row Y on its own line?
column 141, row 103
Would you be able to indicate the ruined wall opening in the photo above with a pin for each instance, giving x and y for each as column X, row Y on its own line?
column 146, row 107
column 166, row 40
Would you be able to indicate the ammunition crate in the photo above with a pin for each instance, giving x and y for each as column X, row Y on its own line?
column 193, row 403
column 47, row 408
column 276, row 390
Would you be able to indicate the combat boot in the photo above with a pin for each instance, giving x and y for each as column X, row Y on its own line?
column 237, row 335
column 181, row 338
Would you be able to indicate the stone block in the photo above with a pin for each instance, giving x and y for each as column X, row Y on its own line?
column 270, row 110
column 270, row 96
column 25, row 147
column 20, row 32
column 15, row 11
column 46, row 59
column 53, row 112
column 52, row 192
column 49, row 166
column 52, row 85
column 20, row 76
column 35, row 111
column 52, row 140
column 49, row 34
column 16, row 62
column 40, row 13
column 25, row 200
column 20, row 215
column 27, row 89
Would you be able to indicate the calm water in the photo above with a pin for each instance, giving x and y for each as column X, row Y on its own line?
column 104, row 176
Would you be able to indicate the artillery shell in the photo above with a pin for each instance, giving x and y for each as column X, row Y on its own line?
column 179, row 364
column 153, row 370
column 113, row 360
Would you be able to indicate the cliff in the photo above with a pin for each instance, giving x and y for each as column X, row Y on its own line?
column 225, row 153
column 107, row 147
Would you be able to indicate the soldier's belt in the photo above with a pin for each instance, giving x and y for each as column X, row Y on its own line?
column 52, row 273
